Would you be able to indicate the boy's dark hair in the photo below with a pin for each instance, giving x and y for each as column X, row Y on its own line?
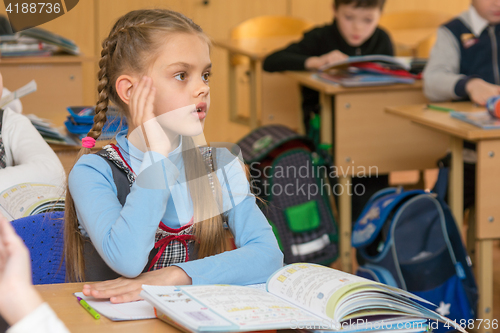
column 360, row 3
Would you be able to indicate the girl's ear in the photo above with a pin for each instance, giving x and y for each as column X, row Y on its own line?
column 124, row 86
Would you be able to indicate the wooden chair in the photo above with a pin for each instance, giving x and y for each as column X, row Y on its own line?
column 265, row 27
column 266, row 86
column 270, row 26
column 413, row 32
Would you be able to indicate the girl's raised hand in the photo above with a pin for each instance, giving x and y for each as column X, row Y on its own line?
column 123, row 289
column 147, row 134
column 18, row 297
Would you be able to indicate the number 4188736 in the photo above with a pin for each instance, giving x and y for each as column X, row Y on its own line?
column 34, row 8
column 476, row 323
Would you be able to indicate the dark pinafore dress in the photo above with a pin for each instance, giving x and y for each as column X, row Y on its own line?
column 172, row 246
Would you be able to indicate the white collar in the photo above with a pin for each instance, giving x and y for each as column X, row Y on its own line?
column 477, row 22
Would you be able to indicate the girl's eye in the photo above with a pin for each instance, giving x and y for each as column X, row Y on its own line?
column 180, row 76
column 368, row 21
column 348, row 17
column 206, row 77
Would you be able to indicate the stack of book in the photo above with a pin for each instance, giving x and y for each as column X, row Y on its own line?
column 372, row 70
column 35, row 42
column 52, row 134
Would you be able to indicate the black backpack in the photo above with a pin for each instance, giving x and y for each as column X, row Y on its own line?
column 288, row 172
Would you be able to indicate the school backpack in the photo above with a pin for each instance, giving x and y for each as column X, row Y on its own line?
column 409, row 240
column 287, row 171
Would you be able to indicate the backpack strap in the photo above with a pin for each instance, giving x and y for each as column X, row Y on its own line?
column 441, row 186
column 1, row 119
column 95, row 267
column 123, row 175
column 3, row 162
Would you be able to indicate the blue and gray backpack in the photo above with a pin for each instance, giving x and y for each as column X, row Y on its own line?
column 409, row 240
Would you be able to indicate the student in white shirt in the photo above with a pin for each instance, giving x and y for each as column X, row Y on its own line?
column 20, row 304
column 24, row 154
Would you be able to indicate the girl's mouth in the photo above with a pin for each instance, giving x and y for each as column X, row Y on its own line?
column 201, row 110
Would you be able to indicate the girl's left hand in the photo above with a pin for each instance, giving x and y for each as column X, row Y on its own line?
column 123, row 289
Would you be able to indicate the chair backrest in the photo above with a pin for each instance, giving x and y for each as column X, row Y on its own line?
column 417, row 19
column 270, row 26
column 43, row 234
column 424, row 49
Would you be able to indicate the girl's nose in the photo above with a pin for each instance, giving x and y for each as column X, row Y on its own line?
column 202, row 90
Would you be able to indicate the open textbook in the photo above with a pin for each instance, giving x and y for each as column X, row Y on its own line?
column 29, row 199
column 396, row 62
column 298, row 296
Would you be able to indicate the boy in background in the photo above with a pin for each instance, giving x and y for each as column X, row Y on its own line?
column 354, row 32
column 464, row 63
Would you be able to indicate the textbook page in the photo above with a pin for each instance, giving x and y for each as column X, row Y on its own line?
column 225, row 307
column 312, row 286
column 27, row 198
column 340, row 296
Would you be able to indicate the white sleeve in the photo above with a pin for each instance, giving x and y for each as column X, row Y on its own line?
column 42, row 320
column 443, row 68
column 29, row 158
column 15, row 105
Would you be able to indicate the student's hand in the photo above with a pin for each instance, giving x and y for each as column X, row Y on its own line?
column 18, row 297
column 127, row 290
column 480, row 91
column 314, row 63
column 148, row 133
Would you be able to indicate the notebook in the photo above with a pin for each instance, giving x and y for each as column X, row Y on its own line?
column 119, row 312
column 480, row 119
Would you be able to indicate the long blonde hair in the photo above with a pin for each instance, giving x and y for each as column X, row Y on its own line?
column 131, row 46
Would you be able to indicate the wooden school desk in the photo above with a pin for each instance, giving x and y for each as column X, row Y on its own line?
column 60, row 297
column 256, row 49
column 365, row 138
column 487, row 225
